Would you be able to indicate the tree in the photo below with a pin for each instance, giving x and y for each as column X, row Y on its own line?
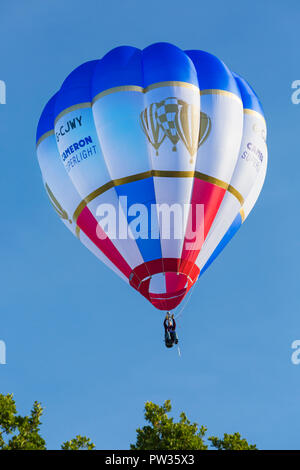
column 162, row 433
column 79, row 443
column 231, row 442
column 23, row 432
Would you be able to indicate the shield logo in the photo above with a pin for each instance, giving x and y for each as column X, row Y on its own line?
column 151, row 127
column 176, row 120
column 58, row 208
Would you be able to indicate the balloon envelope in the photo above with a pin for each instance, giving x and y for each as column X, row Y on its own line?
column 153, row 158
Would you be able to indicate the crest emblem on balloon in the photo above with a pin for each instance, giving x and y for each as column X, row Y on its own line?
column 176, row 120
column 56, row 205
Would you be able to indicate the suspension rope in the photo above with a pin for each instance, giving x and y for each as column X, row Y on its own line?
column 184, row 306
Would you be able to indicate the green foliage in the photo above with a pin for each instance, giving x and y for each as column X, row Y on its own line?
column 231, row 442
column 162, row 433
column 19, row 432
column 23, row 432
column 79, row 443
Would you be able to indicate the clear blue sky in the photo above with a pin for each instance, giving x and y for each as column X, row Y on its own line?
column 78, row 339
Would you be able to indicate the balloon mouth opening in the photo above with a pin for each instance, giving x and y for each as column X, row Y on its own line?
column 167, row 301
column 164, row 282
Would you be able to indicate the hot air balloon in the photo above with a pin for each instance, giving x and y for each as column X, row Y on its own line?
column 154, row 134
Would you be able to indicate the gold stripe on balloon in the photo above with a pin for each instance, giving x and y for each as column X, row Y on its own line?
column 77, row 231
column 242, row 212
column 138, row 89
column 117, row 89
column 105, row 187
column 229, row 94
column 44, row 136
column 72, row 108
column 172, row 174
column 236, row 194
column 212, row 180
column 171, row 84
column 254, row 113
column 63, row 113
column 158, row 174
